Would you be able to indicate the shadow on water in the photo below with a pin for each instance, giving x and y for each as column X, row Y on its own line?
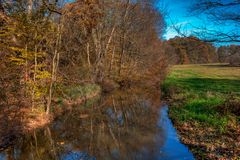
column 124, row 125
column 10, row 125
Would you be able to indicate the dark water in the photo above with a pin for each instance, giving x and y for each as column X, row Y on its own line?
column 126, row 125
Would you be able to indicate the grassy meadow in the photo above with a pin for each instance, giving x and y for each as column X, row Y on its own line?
column 205, row 97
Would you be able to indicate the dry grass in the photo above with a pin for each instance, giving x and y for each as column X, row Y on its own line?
column 216, row 71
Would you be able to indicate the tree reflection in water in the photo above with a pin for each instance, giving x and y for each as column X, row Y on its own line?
column 122, row 125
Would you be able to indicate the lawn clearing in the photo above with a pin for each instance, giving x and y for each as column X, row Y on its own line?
column 206, row 99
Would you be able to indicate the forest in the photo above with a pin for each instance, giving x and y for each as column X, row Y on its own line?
column 56, row 55
column 46, row 46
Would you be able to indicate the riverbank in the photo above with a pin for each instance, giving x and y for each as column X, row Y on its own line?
column 205, row 101
column 16, row 121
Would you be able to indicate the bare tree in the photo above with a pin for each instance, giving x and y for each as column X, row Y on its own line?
column 220, row 13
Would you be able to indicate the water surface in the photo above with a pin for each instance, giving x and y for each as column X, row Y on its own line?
column 126, row 125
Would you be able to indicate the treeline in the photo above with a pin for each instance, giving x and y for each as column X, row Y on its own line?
column 229, row 54
column 48, row 44
column 190, row 50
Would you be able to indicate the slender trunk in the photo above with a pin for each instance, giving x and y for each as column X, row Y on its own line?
column 123, row 37
column 36, row 144
column 34, row 78
column 112, row 59
column 97, row 44
column 110, row 39
column 98, row 49
column 87, row 48
column 26, row 72
column 92, row 130
column 30, row 6
column 52, row 81
column 55, row 63
column 53, row 148
column 122, row 55
column 88, row 55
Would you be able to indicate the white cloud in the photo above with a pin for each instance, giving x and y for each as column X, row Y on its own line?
column 170, row 34
column 171, row 30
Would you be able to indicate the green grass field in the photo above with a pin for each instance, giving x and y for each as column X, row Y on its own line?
column 201, row 93
column 204, row 105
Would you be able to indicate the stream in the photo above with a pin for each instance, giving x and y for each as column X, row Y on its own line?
column 124, row 125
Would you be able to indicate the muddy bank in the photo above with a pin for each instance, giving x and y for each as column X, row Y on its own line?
column 208, row 143
column 205, row 140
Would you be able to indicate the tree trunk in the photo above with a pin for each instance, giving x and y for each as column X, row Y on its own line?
column 55, row 63
column 121, row 55
column 123, row 37
column 112, row 60
column 34, row 77
column 88, row 55
column 30, row 7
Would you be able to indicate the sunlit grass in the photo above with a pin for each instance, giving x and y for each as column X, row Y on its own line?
column 198, row 90
column 79, row 91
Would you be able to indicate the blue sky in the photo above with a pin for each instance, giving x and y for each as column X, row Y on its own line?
column 178, row 14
